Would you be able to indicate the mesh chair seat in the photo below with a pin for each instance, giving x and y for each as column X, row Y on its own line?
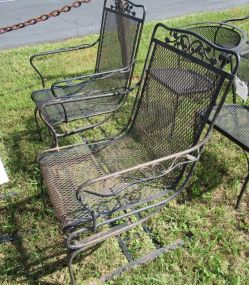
column 41, row 96
column 65, row 170
column 82, row 89
column 70, row 111
column 233, row 122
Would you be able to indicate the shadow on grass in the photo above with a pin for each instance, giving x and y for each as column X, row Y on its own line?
column 209, row 174
column 21, row 260
column 22, row 147
column 35, row 254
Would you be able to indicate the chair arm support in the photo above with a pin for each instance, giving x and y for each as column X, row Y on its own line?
column 236, row 19
column 51, row 52
column 86, row 79
column 79, row 98
column 63, row 101
column 115, row 183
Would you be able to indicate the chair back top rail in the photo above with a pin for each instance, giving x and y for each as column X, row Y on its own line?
column 120, row 34
column 237, row 19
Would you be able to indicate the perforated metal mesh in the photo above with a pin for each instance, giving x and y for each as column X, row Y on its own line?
column 118, row 41
column 117, row 49
column 233, row 121
column 177, row 87
column 63, row 172
column 81, row 89
column 176, row 90
column 222, row 35
column 69, row 111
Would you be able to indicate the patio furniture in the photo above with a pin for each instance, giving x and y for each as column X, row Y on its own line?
column 121, row 182
column 233, row 120
column 100, row 94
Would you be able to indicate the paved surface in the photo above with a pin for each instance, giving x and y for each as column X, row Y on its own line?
column 86, row 19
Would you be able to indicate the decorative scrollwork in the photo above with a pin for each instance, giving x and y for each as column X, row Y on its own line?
column 114, row 185
column 123, row 7
column 194, row 46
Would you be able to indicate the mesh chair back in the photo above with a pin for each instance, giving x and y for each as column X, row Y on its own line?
column 120, row 34
column 182, row 79
column 221, row 34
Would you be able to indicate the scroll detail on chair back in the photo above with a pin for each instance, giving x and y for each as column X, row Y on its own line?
column 121, row 182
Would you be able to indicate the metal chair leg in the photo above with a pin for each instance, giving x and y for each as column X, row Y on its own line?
column 243, row 189
column 37, row 122
column 55, row 142
column 70, row 257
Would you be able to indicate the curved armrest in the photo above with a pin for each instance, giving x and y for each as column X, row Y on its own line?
column 236, row 19
column 115, row 183
column 84, row 80
column 61, row 50
column 63, row 101
column 79, row 98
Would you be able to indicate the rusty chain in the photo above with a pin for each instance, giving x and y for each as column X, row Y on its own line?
column 43, row 17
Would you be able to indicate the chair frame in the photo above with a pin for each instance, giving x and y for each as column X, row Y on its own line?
column 127, row 8
column 186, row 159
column 243, row 49
column 119, row 7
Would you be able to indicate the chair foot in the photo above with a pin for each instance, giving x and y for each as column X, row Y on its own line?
column 140, row 261
column 128, row 266
column 70, row 258
column 242, row 191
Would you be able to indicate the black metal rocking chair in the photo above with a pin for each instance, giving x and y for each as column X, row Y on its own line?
column 103, row 92
column 121, row 182
column 233, row 120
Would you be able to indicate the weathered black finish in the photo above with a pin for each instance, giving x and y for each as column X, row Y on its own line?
column 124, row 180
column 233, row 120
column 104, row 92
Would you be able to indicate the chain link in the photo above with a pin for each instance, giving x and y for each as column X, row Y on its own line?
column 43, row 17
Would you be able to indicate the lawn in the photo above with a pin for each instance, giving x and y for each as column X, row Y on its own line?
column 218, row 251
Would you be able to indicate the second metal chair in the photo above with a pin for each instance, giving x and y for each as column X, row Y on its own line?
column 103, row 92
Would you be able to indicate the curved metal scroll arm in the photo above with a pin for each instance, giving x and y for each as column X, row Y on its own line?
column 51, row 52
column 82, row 81
column 114, row 184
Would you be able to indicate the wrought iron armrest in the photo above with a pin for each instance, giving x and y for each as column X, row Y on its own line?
column 236, row 19
column 47, row 53
column 79, row 98
column 115, row 183
column 83, row 80
column 88, row 96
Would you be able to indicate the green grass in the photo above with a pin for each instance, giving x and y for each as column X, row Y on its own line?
column 218, row 251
